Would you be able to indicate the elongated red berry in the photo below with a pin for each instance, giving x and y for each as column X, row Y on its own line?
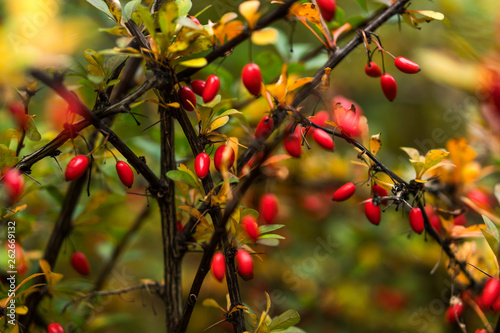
column 389, row 86
column 264, row 128
column 80, row 263
column 491, row 292
column 320, row 118
column 406, row 66
column 202, row 165
column 55, row 328
column 479, row 198
column 179, row 226
column 76, row 167
column 481, row 331
column 268, row 207
column 460, row 220
column 416, row 220
column 198, row 86
column 252, row 78
column 293, row 143
column 382, row 192
column 16, row 108
column 224, row 158
column 125, row 173
column 188, row 99
column 323, row 139
column 211, row 88
column 327, row 9
column 218, row 266
column 251, row 227
column 373, row 70
column 245, row 264
column 372, row 212
column 434, row 219
column 344, row 192
column 454, row 309
column 14, row 184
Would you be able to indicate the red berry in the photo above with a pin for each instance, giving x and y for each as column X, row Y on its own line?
column 16, row 108
column 13, row 183
column 327, row 9
column 323, row 139
column 382, row 192
column 218, row 266
column 264, row 128
column 349, row 123
column 211, row 88
column 252, row 78
column 55, row 328
column 434, row 219
column 372, row 212
column 224, row 158
column 268, row 207
column 188, row 99
column 194, row 19
column 479, row 198
column 495, row 306
column 293, row 143
column 389, row 86
column 481, row 331
column 406, row 66
column 245, row 264
column 457, row 308
column 416, row 220
column 180, row 226
column 320, row 119
column 373, row 70
column 491, row 292
column 125, row 173
column 198, row 86
column 80, row 263
column 202, row 165
column 344, row 192
column 76, row 167
column 460, row 220
column 251, row 227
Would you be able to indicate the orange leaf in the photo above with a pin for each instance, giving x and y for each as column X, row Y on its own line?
column 276, row 159
column 249, row 10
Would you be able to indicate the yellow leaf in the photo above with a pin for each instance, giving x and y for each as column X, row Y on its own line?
column 195, row 63
column 233, row 29
column 249, row 10
column 275, row 159
column 375, row 144
column 228, row 17
column 429, row 13
column 299, row 83
column 174, row 105
column 412, row 152
column 22, row 310
column 115, row 8
column 265, row 36
column 218, row 123
column 306, row 11
column 15, row 210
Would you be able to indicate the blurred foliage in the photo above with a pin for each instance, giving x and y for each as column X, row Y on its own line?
column 341, row 273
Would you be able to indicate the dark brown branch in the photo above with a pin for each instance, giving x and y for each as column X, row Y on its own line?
column 51, row 148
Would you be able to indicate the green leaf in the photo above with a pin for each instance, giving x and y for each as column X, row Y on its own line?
column 148, row 20
column 271, row 236
column 211, row 303
column 418, row 166
column 184, row 7
column 7, row 156
column 362, row 4
column 194, row 63
column 293, row 330
column 491, row 234
column 269, row 242
column 183, row 177
column 116, row 30
column 228, row 113
column 130, row 8
column 230, row 181
column 101, row 5
column 285, row 320
column 167, row 15
column 31, row 131
column 252, row 212
column 269, row 227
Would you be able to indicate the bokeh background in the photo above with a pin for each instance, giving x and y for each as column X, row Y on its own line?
column 341, row 273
